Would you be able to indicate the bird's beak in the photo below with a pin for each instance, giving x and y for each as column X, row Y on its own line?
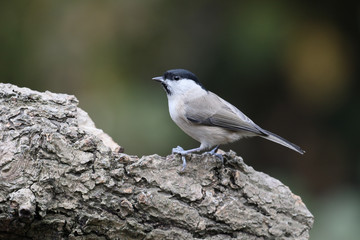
column 158, row 79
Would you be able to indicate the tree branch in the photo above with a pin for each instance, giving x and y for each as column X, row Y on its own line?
column 61, row 178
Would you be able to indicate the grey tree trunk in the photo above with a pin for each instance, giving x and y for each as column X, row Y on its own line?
column 61, row 178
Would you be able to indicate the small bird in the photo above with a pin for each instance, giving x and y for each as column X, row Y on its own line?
column 206, row 117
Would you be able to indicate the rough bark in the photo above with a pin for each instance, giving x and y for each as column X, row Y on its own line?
column 61, row 178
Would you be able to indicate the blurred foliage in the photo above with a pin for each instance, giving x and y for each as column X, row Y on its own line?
column 293, row 67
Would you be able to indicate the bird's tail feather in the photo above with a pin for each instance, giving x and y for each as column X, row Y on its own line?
column 275, row 138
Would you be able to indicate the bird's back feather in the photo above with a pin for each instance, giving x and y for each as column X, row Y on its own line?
column 211, row 110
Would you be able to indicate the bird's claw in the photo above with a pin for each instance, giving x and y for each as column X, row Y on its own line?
column 184, row 163
column 217, row 155
column 181, row 151
column 178, row 150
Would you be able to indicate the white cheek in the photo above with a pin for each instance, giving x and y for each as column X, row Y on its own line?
column 183, row 87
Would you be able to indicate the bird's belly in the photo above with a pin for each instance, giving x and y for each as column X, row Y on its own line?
column 210, row 136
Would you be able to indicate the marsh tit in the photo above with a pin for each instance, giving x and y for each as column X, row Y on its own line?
column 206, row 117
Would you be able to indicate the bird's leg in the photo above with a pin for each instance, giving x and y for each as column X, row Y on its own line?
column 182, row 152
column 213, row 151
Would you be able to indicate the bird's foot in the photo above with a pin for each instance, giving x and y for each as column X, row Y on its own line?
column 182, row 152
column 184, row 163
column 178, row 150
column 217, row 155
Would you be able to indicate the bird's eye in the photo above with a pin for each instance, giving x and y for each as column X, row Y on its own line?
column 176, row 77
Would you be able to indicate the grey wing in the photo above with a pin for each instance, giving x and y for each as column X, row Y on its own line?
column 211, row 110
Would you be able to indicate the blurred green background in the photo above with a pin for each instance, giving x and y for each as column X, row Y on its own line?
column 291, row 67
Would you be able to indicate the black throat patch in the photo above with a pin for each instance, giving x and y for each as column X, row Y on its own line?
column 168, row 92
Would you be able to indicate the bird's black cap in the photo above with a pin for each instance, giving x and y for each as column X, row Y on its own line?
column 177, row 74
